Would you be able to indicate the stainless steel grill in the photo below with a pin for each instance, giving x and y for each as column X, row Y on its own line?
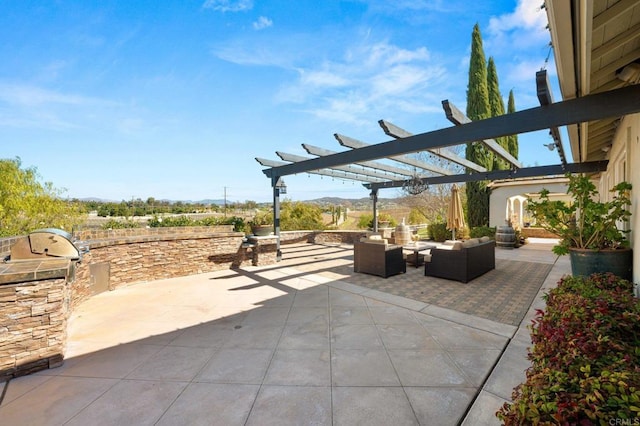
column 45, row 243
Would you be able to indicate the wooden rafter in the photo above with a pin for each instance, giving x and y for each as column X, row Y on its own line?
column 614, row 103
column 356, row 144
column 458, row 118
column 394, row 131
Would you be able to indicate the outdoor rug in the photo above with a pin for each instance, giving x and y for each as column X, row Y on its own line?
column 503, row 294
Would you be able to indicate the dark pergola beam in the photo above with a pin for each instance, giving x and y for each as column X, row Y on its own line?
column 324, row 172
column 615, row 103
column 405, row 159
column 315, row 150
column 527, row 172
column 394, row 131
column 458, row 118
column 348, row 168
column 546, row 98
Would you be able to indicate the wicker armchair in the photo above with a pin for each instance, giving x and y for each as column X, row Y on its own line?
column 378, row 258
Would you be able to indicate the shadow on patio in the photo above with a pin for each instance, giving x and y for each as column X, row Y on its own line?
column 294, row 343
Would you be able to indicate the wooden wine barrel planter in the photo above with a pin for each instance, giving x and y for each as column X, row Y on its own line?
column 505, row 237
column 402, row 235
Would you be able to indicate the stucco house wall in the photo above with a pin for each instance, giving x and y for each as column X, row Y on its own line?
column 624, row 164
column 518, row 191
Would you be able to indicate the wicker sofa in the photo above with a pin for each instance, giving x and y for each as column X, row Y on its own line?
column 462, row 261
column 374, row 255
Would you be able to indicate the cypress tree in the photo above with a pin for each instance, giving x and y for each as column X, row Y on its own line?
column 478, row 109
column 512, row 145
column 496, row 108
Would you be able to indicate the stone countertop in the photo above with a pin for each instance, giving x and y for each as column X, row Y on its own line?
column 33, row 270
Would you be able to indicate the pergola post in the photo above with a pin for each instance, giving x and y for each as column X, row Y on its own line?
column 374, row 198
column 278, row 187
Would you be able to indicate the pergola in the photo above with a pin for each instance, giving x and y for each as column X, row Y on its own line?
column 361, row 163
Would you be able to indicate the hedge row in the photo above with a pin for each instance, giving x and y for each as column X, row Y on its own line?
column 585, row 357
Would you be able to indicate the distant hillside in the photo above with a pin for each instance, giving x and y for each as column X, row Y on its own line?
column 351, row 203
column 355, row 203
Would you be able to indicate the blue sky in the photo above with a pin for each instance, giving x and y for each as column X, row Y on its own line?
column 173, row 100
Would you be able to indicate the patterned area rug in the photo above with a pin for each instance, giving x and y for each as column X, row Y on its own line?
column 503, row 295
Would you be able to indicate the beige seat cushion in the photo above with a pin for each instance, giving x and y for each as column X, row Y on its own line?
column 454, row 245
column 470, row 243
column 374, row 239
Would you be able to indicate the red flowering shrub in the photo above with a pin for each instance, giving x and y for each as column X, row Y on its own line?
column 585, row 356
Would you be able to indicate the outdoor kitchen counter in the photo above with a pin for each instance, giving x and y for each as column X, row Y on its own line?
column 33, row 270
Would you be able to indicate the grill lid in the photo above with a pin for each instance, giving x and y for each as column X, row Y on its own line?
column 48, row 242
column 53, row 242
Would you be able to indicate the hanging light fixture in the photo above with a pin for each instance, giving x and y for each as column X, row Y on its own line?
column 415, row 186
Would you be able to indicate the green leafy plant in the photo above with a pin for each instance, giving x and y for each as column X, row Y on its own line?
column 483, row 231
column 386, row 217
column 262, row 218
column 298, row 215
column 171, row 221
column 366, row 220
column 585, row 223
column 585, row 356
column 438, row 231
column 27, row 204
column 120, row 224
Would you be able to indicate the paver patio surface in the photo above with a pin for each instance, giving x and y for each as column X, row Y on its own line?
column 282, row 344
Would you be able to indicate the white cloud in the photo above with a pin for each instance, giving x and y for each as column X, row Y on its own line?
column 25, row 95
column 371, row 79
column 24, row 106
column 519, row 42
column 228, row 5
column 322, row 78
column 526, row 25
column 262, row 23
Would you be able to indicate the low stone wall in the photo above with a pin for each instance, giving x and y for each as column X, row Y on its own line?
column 141, row 258
column 33, row 326
column 537, row 233
column 120, row 234
column 35, row 305
column 33, row 313
column 321, row 237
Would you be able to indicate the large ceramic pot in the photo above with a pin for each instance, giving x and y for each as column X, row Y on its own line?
column 261, row 230
column 586, row 262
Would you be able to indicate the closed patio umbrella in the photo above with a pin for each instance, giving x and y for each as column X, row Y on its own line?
column 455, row 216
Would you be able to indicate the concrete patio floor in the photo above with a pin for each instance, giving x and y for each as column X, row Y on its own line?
column 282, row 344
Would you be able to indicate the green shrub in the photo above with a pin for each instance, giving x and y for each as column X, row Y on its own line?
column 120, row 224
column 171, row 221
column 585, row 356
column 439, row 231
column 416, row 217
column 297, row 215
column 386, row 217
column 483, row 231
column 365, row 221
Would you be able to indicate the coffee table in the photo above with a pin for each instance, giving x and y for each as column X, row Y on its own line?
column 417, row 258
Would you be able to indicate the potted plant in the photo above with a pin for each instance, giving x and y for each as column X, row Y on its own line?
column 262, row 223
column 588, row 229
column 385, row 220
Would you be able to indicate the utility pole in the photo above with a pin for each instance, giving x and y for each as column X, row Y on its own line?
column 225, row 201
